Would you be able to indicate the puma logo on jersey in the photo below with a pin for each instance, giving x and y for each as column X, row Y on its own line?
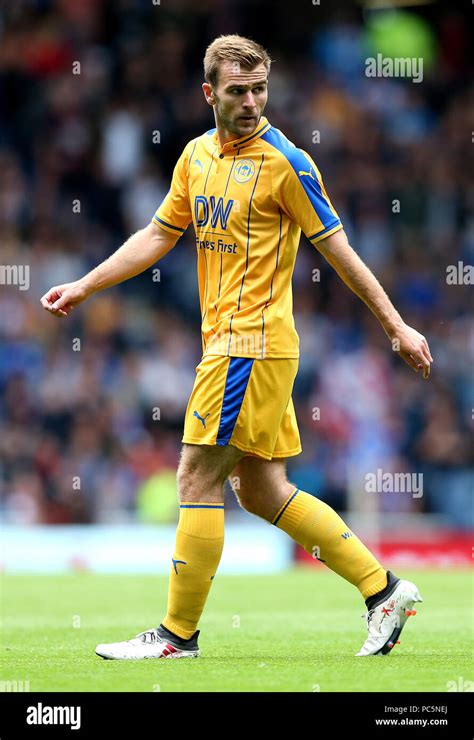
column 199, row 164
column 302, row 172
column 201, row 418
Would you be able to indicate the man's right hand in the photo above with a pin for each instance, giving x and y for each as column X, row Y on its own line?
column 138, row 253
column 61, row 299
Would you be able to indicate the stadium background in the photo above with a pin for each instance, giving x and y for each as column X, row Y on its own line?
column 90, row 435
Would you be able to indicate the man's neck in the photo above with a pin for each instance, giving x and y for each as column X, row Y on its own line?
column 225, row 135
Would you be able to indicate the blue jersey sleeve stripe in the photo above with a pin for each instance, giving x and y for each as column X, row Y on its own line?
column 170, row 226
column 335, row 226
column 309, row 181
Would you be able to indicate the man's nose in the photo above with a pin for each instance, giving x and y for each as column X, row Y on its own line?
column 249, row 100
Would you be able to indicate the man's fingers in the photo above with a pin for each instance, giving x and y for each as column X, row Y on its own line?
column 427, row 355
column 60, row 302
column 416, row 351
column 426, row 347
column 419, row 361
column 426, row 369
column 50, row 298
column 47, row 300
column 425, row 361
column 57, row 312
column 55, row 303
column 409, row 360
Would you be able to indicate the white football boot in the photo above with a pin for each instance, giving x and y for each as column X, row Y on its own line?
column 152, row 643
column 386, row 619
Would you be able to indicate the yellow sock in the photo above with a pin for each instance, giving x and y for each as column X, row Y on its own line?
column 198, row 550
column 324, row 535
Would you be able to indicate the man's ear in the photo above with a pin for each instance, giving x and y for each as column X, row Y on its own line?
column 208, row 93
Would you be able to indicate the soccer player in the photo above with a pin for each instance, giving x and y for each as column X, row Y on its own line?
column 249, row 192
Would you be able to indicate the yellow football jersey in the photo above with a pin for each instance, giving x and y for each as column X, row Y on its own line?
column 248, row 201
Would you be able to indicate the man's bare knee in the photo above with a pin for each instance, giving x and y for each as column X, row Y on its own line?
column 260, row 486
column 202, row 471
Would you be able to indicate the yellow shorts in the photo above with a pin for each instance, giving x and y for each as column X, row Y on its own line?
column 244, row 402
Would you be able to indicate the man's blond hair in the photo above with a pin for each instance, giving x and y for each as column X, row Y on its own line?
column 238, row 50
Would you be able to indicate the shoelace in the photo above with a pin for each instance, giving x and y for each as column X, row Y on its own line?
column 368, row 616
column 149, row 635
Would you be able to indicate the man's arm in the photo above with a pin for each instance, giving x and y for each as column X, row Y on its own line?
column 137, row 254
column 410, row 344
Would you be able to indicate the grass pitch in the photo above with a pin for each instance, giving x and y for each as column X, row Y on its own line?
column 296, row 631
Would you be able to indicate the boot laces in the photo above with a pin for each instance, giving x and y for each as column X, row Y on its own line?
column 368, row 617
column 149, row 636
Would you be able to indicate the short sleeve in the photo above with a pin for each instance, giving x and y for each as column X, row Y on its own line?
column 299, row 190
column 174, row 213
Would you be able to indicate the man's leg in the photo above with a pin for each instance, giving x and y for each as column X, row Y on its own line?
column 200, row 534
column 199, row 541
column 263, row 489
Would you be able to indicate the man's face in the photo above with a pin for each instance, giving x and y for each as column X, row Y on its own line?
column 239, row 97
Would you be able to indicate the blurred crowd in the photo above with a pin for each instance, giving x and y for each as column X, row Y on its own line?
column 97, row 102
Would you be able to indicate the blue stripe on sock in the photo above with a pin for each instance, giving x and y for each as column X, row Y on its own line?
column 286, row 506
column 201, row 506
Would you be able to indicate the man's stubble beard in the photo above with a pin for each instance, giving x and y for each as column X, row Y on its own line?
column 229, row 125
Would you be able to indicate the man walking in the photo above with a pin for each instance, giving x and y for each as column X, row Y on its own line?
column 249, row 193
